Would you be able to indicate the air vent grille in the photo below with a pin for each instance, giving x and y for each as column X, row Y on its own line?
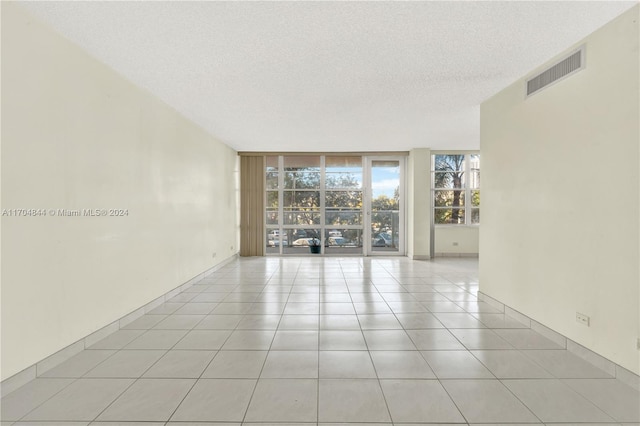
column 571, row 64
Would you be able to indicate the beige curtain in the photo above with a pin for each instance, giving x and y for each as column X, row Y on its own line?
column 252, row 206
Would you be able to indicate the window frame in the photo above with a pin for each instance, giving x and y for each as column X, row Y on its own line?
column 322, row 227
column 467, row 189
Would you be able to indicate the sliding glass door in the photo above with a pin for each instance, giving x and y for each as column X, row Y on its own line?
column 385, row 212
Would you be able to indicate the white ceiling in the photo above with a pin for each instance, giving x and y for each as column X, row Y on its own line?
column 328, row 76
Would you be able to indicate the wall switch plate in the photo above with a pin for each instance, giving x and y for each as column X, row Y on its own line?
column 583, row 319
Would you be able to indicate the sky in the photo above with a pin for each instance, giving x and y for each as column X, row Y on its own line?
column 384, row 180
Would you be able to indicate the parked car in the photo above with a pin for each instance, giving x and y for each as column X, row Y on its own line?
column 274, row 238
column 273, row 234
column 382, row 240
column 276, row 243
column 336, row 241
column 305, row 242
column 299, row 233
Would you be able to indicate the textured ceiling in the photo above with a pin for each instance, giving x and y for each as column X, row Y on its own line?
column 328, row 76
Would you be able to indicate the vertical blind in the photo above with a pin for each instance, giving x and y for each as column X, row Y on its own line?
column 252, row 206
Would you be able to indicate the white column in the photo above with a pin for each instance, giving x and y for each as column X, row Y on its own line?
column 418, row 204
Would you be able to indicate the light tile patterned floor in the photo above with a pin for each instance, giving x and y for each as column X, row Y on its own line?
column 326, row 341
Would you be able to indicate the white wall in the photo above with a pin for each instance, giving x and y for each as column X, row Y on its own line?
column 456, row 239
column 560, row 197
column 75, row 135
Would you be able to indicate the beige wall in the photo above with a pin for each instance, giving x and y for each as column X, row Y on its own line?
column 75, row 135
column 560, row 197
column 456, row 239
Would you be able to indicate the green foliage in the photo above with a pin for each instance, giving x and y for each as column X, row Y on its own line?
column 301, row 198
column 382, row 202
column 449, row 174
column 475, row 198
column 385, row 214
column 343, row 201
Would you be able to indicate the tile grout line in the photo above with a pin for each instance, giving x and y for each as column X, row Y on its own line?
column 77, row 379
column 197, row 380
column 46, row 400
column 203, row 371
column 136, row 380
column 384, row 397
column 319, row 316
column 255, row 387
column 318, row 371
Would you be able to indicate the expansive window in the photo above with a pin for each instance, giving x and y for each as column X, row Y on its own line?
column 343, row 197
column 314, row 201
column 301, row 191
column 456, row 189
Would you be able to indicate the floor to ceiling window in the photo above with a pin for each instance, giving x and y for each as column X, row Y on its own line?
column 455, row 195
column 456, row 189
column 333, row 204
column 343, row 206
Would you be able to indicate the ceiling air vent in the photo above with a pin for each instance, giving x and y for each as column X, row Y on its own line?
column 567, row 66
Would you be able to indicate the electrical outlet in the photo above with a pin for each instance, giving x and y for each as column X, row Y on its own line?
column 214, row 254
column 455, row 243
column 583, row 319
column 638, row 344
column 231, row 248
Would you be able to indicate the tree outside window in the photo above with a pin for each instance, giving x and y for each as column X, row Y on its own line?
column 456, row 189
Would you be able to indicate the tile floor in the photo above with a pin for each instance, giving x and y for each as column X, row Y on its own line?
column 326, row 340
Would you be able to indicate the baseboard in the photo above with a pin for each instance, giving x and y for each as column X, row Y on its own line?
column 420, row 257
column 615, row 370
column 20, row 379
column 472, row 255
